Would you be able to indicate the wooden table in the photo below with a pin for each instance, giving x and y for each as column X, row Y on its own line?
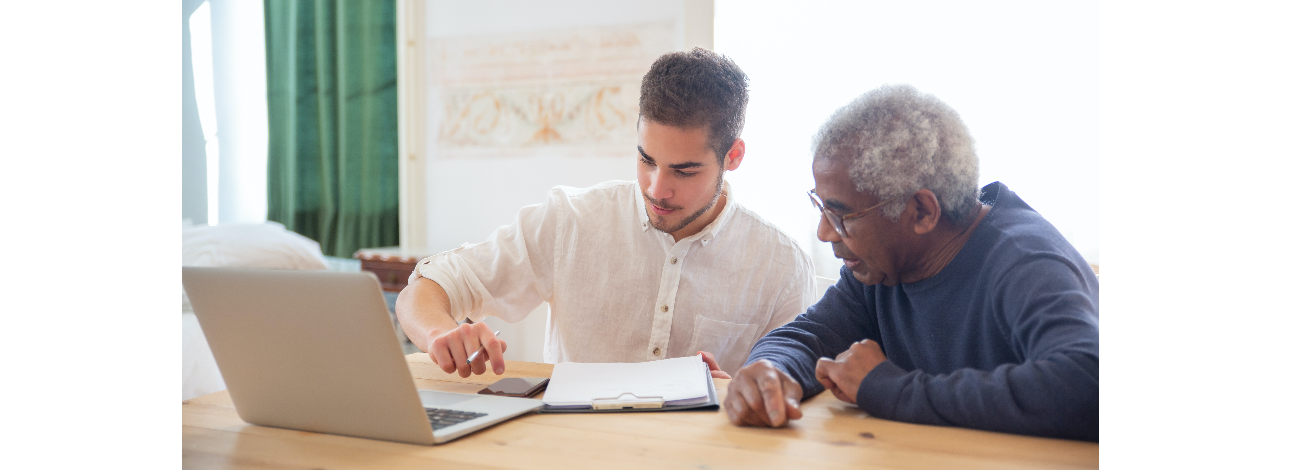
column 831, row 435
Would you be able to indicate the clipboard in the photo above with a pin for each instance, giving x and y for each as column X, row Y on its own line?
column 630, row 402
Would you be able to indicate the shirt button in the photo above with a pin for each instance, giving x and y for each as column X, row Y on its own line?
column 663, row 308
column 656, row 351
column 673, row 261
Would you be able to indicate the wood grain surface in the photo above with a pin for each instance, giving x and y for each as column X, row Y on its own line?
column 831, row 435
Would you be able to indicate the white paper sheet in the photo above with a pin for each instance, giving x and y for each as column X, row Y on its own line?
column 679, row 381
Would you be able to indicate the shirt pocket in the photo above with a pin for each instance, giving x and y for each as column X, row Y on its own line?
column 728, row 342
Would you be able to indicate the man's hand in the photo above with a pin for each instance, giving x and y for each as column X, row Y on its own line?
column 843, row 375
column 762, row 395
column 423, row 309
column 450, row 350
column 716, row 371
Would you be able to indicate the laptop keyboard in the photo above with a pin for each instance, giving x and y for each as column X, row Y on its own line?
column 441, row 418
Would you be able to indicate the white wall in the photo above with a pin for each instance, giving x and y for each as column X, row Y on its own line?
column 467, row 199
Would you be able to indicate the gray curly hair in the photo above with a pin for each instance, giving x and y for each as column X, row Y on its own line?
column 902, row 141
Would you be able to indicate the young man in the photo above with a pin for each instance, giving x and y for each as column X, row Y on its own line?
column 955, row 306
column 664, row 267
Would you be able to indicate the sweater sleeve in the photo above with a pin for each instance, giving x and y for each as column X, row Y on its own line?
column 827, row 328
column 1050, row 314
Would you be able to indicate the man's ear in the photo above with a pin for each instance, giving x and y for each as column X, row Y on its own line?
column 928, row 211
column 734, row 155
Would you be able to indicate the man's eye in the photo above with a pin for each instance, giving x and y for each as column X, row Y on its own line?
column 687, row 174
column 647, row 162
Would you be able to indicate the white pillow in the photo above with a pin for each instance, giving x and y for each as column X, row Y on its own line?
column 267, row 246
column 261, row 246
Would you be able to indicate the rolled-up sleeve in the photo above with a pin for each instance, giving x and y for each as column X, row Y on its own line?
column 507, row 275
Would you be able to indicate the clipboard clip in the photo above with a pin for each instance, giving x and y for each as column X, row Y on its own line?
column 627, row 401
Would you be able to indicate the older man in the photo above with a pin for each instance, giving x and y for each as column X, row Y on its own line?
column 634, row 271
column 954, row 307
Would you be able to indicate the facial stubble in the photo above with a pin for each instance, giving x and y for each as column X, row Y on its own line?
column 658, row 221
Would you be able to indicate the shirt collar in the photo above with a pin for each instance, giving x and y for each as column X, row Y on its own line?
column 640, row 208
column 710, row 231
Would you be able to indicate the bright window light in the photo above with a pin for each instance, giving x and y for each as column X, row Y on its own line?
column 204, row 93
column 1022, row 74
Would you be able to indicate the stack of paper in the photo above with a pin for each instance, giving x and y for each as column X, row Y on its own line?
column 683, row 382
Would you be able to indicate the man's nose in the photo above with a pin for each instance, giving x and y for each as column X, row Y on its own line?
column 660, row 188
column 825, row 231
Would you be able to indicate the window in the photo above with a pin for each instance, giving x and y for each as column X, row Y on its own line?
column 1023, row 76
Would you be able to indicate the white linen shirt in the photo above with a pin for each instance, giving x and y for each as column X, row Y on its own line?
column 621, row 290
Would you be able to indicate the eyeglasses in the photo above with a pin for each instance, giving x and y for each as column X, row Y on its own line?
column 836, row 220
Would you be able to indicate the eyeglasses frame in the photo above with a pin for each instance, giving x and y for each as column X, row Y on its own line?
column 836, row 220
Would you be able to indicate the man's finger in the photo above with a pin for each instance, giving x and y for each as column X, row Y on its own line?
column 834, row 389
column 708, row 359
column 839, row 394
column 714, row 370
column 441, row 356
column 747, row 416
column 823, row 370
column 737, row 410
column 735, row 407
column 458, row 343
column 501, row 359
column 729, row 405
column 479, row 365
column 753, row 397
column 493, row 348
column 773, row 400
column 792, row 395
column 827, row 371
column 826, row 382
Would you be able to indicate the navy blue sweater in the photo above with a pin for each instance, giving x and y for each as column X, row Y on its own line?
column 1004, row 338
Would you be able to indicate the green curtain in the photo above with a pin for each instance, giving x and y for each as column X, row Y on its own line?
column 331, row 70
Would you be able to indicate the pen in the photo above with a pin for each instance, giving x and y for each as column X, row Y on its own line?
column 476, row 353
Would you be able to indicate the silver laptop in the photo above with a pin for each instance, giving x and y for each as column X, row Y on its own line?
column 315, row 351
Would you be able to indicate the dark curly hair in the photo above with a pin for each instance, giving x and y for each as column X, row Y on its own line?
column 699, row 88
